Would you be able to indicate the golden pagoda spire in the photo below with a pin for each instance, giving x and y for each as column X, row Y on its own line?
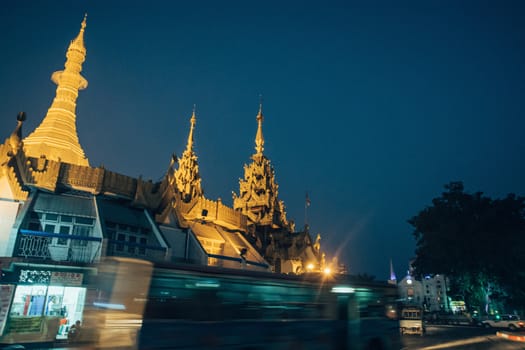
column 56, row 137
column 259, row 139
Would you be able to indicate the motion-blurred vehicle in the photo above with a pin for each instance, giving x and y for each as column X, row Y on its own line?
column 411, row 320
column 510, row 322
column 153, row 306
column 450, row 318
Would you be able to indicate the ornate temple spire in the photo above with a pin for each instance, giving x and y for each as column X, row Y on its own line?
column 258, row 191
column 259, row 139
column 187, row 177
column 56, row 137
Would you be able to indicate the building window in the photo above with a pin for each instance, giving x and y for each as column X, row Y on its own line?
column 84, row 221
column 30, row 302
column 65, row 224
column 131, row 247
column 111, row 234
column 142, row 248
column 121, row 238
column 36, row 215
column 64, row 230
column 49, row 228
column 51, row 217
column 82, row 231
column 128, row 233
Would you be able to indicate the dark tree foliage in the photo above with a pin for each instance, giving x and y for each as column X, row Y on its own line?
column 479, row 242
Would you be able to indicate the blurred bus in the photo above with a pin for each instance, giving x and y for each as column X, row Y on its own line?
column 411, row 320
column 203, row 307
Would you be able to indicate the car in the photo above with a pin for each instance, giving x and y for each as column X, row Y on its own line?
column 511, row 322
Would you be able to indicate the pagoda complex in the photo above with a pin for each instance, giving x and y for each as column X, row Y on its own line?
column 54, row 206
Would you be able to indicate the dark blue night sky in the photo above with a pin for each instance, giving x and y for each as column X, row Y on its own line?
column 370, row 107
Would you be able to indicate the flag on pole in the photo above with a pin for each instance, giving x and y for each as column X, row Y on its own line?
column 307, row 203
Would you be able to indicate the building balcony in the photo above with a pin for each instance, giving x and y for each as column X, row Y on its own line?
column 57, row 247
column 80, row 249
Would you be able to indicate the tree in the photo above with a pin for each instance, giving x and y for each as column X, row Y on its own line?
column 475, row 240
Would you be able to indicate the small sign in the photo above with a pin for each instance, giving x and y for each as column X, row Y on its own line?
column 67, row 278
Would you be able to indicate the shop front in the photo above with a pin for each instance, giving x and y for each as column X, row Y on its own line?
column 39, row 303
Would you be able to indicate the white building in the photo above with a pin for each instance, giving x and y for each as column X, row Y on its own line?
column 429, row 293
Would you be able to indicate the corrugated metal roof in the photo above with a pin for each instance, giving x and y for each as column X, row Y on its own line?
column 65, row 204
column 236, row 239
column 232, row 240
column 118, row 213
column 206, row 231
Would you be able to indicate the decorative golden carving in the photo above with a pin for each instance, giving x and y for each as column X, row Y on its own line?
column 317, row 244
column 147, row 194
column 81, row 177
column 15, row 140
column 119, row 185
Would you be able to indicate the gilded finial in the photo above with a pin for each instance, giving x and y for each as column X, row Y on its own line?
column 259, row 139
column 77, row 44
column 193, row 121
column 260, row 105
column 193, row 118
column 83, row 25
column 21, row 116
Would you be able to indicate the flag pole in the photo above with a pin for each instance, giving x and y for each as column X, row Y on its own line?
column 306, row 205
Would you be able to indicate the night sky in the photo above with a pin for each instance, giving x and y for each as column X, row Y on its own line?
column 370, row 107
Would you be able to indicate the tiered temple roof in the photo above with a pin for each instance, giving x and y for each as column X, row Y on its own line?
column 51, row 159
column 258, row 191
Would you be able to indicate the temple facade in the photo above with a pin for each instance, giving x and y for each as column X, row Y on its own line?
column 59, row 215
column 55, row 207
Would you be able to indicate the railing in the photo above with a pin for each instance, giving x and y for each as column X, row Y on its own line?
column 80, row 249
column 43, row 245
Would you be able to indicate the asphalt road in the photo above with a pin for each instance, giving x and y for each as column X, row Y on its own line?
column 460, row 337
column 436, row 337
